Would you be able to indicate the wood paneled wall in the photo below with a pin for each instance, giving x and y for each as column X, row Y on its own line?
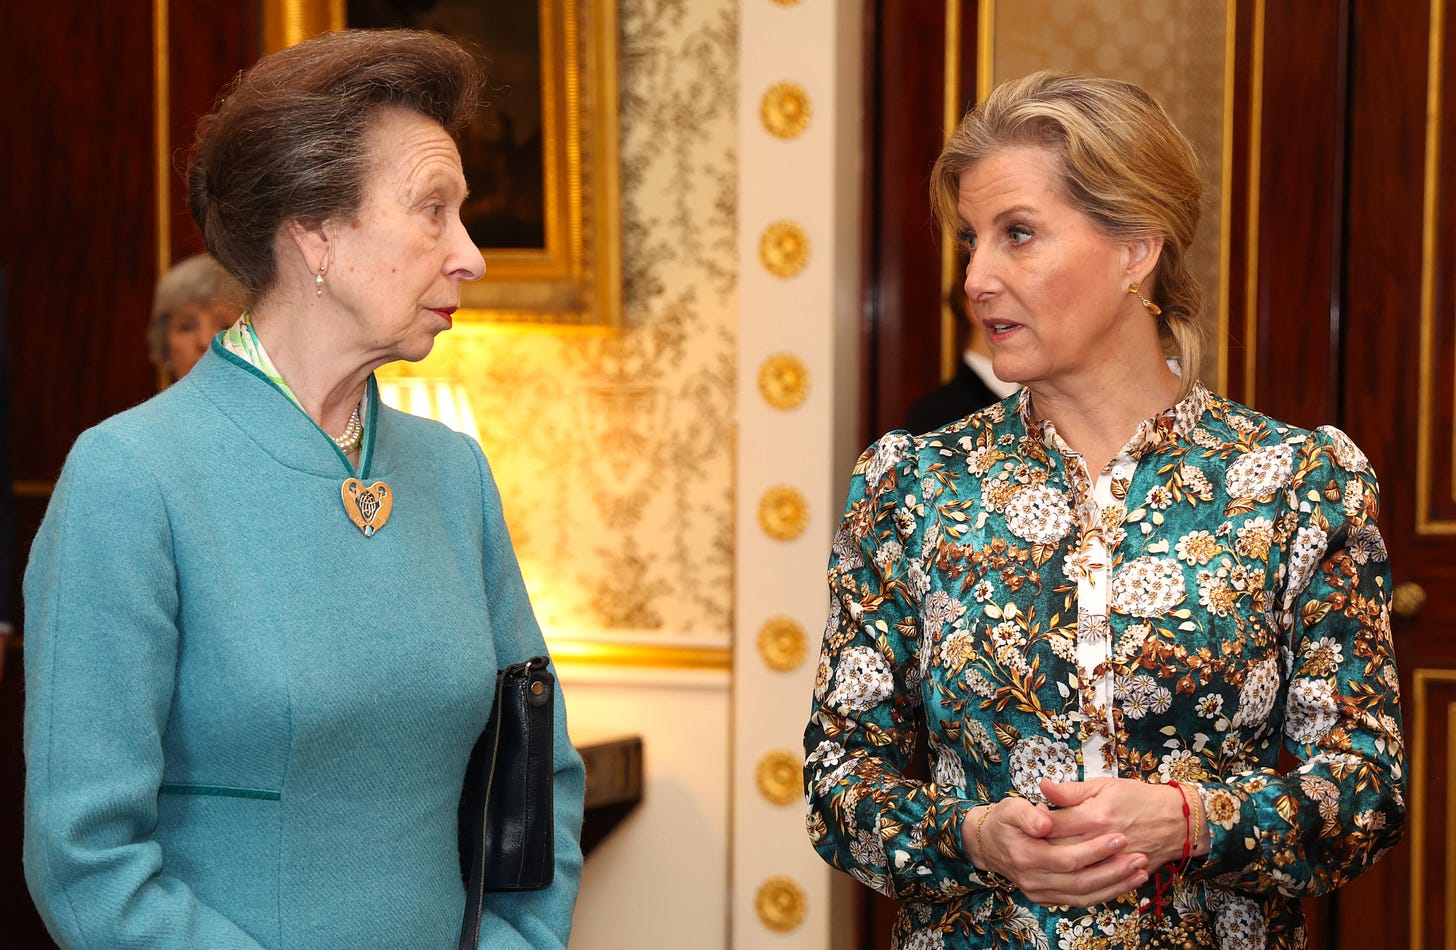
column 79, row 182
column 1398, row 399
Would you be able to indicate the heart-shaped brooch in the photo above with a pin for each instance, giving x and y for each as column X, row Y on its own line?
column 368, row 506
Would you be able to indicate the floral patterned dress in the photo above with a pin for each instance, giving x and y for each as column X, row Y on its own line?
column 1219, row 592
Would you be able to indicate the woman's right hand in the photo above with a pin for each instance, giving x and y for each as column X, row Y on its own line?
column 1010, row 839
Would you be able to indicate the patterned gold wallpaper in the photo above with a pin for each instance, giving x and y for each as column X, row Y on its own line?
column 614, row 451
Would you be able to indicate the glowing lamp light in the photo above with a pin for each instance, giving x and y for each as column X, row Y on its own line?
column 443, row 400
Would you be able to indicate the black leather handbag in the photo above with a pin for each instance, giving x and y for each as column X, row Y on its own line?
column 507, row 842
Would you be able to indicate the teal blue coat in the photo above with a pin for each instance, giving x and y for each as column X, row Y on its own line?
column 247, row 724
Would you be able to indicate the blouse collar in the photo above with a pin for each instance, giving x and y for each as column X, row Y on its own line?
column 1167, row 427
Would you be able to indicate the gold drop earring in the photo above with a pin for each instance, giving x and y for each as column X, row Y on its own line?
column 1133, row 289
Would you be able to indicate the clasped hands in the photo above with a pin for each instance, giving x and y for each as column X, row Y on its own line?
column 1104, row 838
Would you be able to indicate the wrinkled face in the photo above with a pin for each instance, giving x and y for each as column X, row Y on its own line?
column 190, row 329
column 396, row 268
column 1048, row 286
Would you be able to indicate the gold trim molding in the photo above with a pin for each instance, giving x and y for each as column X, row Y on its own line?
column 286, row 22
column 1421, row 684
column 783, row 514
column 566, row 652
column 1425, row 524
column 23, row 488
column 778, row 776
column 985, row 46
column 1226, row 190
column 784, row 249
column 952, row 113
column 785, row 110
column 1251, row 239
column 161, row 129
column 782, row 644
column 1449, row 904
column 780, row 904
column 783, row 381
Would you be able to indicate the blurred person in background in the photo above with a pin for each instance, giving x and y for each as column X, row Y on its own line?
column 194, row 301
column 975, row 384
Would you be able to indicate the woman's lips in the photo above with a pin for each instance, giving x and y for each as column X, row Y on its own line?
column 445, row 314
column 999, row 329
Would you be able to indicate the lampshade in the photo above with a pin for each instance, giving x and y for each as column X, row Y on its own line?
column 443, row 400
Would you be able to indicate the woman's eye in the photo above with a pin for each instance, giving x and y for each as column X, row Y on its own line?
column 967, row 238
column 1018, row 235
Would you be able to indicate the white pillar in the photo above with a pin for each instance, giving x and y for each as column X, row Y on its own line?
column 799, row 379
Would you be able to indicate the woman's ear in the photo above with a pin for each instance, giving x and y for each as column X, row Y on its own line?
column 1142, row 258
column 313, row 243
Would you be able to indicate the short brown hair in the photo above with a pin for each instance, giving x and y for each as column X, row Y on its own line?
column 285, row 141
column 1124, row 165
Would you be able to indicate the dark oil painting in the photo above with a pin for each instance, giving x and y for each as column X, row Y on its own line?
column 502, row 149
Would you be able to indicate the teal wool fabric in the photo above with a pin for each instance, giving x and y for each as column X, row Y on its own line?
column 1217, row 595
column 247, row 725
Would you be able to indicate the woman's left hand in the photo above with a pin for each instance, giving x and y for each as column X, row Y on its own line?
column 1150, row 816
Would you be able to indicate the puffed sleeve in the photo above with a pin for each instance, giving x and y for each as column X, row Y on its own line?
column 534, row 920
column 897, row 835
column 100, row 655
column 1321, row 825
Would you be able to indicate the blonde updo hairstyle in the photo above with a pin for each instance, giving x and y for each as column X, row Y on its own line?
column 1124, row 165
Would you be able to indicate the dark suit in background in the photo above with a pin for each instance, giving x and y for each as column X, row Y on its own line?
column 960, row 397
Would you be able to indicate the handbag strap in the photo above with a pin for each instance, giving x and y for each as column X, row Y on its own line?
column 513, row 677
column 475, row 889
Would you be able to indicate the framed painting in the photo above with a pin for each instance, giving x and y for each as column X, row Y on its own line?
column 540, row 156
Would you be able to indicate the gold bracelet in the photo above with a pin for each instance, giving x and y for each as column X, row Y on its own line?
column 980, row 844
column 1200, row 818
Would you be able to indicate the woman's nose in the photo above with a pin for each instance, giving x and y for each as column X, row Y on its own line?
column 980, row 277
column 974, row 278
column 466, row 261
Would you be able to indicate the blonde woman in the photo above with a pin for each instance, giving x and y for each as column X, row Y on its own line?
column 1110, row 600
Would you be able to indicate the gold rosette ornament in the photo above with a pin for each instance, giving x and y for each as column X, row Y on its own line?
column 782, row 644
column 783, row 514
column 780, row 904
column 783, row 381
column 779, row 775
column 784, row 249
column 785, row 110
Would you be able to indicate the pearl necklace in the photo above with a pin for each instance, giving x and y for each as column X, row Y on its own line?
column 353, row 433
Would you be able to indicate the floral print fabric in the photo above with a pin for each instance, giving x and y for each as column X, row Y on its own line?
column 1218, row 592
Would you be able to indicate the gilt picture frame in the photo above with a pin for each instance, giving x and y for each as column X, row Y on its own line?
column 541, row 157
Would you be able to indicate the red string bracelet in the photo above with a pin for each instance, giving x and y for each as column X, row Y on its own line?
column 1163, row 880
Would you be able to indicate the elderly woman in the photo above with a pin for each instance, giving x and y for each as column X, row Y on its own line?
column 1110, row 600
column 264, row 611
column 195, row 300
